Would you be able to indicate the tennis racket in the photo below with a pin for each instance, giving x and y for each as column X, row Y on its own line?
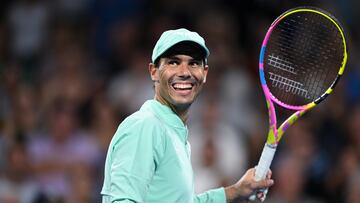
column 303, row 56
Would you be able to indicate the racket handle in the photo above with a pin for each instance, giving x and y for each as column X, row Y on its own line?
column 263, row 166
column 266, row 158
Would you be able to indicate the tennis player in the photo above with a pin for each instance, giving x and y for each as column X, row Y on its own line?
column 148, row 159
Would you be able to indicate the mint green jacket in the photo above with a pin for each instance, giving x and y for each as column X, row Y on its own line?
column 148, row 161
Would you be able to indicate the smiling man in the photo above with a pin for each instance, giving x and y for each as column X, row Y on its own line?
column 148, row 159
column 179, row 74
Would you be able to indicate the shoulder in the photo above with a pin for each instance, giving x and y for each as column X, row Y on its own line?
column 141, row 125
column 141, row 120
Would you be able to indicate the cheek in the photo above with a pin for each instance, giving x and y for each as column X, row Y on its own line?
column 164, row 77
column 164, row 87
column 199, row 75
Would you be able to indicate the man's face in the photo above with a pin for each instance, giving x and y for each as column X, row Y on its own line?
column 179, row 79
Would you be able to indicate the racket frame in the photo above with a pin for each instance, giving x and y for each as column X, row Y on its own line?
column 275, row 134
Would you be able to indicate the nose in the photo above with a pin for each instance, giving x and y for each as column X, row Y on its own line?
column 184, row 70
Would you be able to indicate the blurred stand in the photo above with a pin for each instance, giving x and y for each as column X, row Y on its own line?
column 71, row 71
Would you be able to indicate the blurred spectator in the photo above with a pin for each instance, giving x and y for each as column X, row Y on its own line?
column 219, row 153
column 29, row 23
column 25, row 112
column 300, row 141
column 124, row 40
column 354, row 128
column 82, row 188
column 227, row 63
column 342, row 176
column 352, row 91
column 345, row 171
column 289, row 174
column 68, row 72
column 106, row 14
column 60, row 150
column 129, row 89
column 104, row 122
column 353, row 188
column 17, row 185
column 9, row 80
column 3, row 45
column 3, row 150
column 76, row 12
column 10, row 85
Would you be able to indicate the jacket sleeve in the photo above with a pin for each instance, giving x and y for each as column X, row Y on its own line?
column 211, row 196
column 133, row 161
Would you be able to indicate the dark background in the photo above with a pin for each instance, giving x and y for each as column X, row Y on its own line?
column 71, row 71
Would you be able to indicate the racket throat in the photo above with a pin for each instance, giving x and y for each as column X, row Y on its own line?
column 273, row 137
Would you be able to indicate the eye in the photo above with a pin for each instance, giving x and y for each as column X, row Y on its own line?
column 173, row 62
column 195, row 63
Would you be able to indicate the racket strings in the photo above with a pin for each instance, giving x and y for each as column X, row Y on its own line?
column 333, row 30
column 303, row 56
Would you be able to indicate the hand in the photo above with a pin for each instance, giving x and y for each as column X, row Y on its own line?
column 247, row 185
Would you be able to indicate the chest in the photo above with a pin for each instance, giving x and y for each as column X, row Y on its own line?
column 173, row 177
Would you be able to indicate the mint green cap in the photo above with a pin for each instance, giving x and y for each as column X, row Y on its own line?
column 171, row 37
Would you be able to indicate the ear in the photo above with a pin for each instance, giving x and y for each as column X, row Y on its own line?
column 153, row 72
column 206, row 69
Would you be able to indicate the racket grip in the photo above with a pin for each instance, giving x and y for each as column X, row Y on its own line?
column 263, row 166
column 266, row 158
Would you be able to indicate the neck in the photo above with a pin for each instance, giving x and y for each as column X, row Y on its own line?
column 181, row 111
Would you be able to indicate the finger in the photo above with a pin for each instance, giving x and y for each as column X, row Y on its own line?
column 269, row 174
column 264, row 196
column 260, row 195
column 251, row 171
column 263, row 184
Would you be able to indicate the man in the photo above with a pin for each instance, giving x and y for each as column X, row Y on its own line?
column 149, row 157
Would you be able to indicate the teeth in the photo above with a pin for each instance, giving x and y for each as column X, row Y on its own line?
column 183, row 86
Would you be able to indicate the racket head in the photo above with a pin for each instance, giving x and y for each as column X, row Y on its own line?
column 302, row 57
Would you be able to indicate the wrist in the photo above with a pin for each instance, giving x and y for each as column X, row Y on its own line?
column 232, row 193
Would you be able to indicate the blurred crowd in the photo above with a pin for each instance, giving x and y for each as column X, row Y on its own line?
column 72, row 70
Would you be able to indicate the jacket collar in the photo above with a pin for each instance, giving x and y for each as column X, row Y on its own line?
column 164, row 113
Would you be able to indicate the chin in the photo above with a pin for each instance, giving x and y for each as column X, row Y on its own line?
column 183, row 102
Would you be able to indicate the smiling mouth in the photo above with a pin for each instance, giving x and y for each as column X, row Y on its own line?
column 182, row 86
